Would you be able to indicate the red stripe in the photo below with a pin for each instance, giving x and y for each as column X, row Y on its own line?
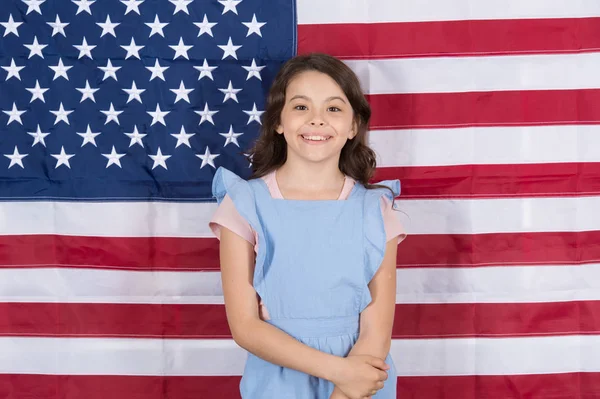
column 496, row 319
column 210, row 321
column 543, row 386
column 113, row 320
column 125, row 253
column 40, row 386
column 530, row 386
column 495, row 108
column 494, row 181
column 445, row 38
column 417, row 250
column 492, row 249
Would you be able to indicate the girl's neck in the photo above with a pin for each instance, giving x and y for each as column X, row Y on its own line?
column 300, row 179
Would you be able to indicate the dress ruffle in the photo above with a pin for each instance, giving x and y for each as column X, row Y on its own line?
column 374, row 232
column 239, row 190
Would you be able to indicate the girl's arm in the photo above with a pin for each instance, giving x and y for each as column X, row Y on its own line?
column 269, row 342
column 376, row 320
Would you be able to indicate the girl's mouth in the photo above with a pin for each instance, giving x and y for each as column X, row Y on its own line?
column 315, row 139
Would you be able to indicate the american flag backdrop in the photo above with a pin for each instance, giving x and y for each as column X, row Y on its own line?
column 115, row 114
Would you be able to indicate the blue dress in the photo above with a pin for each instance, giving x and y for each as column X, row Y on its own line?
column 314, row 262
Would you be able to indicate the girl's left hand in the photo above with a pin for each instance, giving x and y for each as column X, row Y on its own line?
column 338, row 394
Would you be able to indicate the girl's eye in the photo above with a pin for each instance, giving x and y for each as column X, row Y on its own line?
column 334, row 109
column 300, row 107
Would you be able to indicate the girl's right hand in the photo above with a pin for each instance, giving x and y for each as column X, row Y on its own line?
column 361, row 376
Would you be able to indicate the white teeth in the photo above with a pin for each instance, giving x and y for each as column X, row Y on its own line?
column 315, row 138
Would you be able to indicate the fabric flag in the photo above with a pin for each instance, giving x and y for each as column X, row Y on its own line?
column 116, row 113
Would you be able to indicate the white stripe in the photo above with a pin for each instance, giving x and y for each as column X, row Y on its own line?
column 466, row 74
column 109, row 286
column 171, row 357
column 477, row 356
column 360, row 11
column 510, row 215
column 107, row 219
column 463, row 216
column 486, row 145
column 511, row 284
column 508, row 284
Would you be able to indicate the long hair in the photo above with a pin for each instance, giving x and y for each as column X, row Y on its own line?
column 269, row 151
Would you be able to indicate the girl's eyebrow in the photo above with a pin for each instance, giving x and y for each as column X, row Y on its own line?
column 327, row 99
column 336, row 98
column 299, row 96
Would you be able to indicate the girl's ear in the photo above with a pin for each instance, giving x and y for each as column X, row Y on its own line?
column 279, row 129
column 354, row 130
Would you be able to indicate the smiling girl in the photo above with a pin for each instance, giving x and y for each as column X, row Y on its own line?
column 308, row 246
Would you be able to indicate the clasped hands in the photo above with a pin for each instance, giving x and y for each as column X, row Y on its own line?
column 359, row 377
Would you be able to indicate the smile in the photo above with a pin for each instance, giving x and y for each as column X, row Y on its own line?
column 315, row 138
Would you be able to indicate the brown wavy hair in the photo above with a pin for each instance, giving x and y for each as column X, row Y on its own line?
column 269, row 151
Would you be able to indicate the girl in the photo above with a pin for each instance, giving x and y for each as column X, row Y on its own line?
column 308, row 247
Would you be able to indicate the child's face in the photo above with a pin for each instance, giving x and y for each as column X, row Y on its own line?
column 316, row 108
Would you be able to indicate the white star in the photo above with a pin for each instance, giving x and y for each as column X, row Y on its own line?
column 134, row 93
column 229, row 49
column 13, row 70
column 182, row 93
column 89, row 136
column 205, row 70
column 159, row 159
column 158, row 116
column 229, row 5
column 60, row 70
column 183, row 137
column 254, row 26
column 253, row 70
column 84, row 49
column 181, row 5
column 231, row 137
column 16, row 158
column 84, row 5
column 11, row 26
column 37, row 92
column 87, row 92
column 205, row 26
column 157, row 26
column 14, row 114
column 207, row 158
column 111, row 114
column 61, row 115
column 62, row 158
column 230, row 92
column 206, row 114
column 132, row 5
column 132, row 50
column 114, row 158
column 157, row 70
column 109, row 71
column 38, row 136
column 33, row 5
column 108, row 26
column 58, row 26
column 35, row 48
column 254, row 115
column 136, row 137
column 181, row 49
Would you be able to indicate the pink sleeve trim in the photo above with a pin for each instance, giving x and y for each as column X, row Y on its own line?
column 227, row 216
column 393, row 226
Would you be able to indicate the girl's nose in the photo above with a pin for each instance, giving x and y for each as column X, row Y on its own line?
column 317, row 122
